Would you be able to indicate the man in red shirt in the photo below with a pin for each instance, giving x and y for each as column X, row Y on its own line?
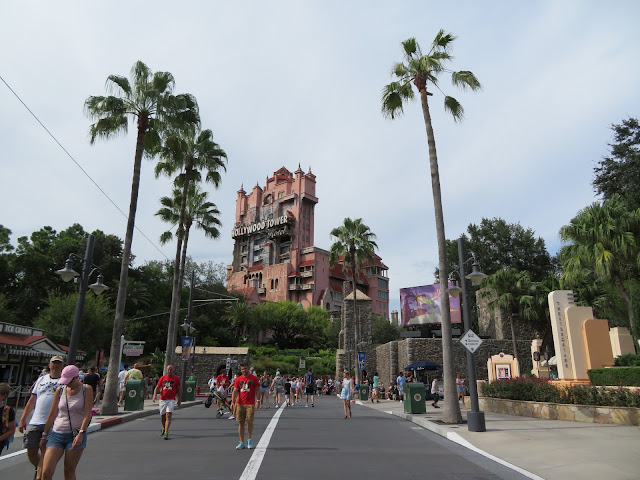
column 169, row 386
column 243, row 403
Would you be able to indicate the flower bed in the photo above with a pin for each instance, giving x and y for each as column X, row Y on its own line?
column 539, row 398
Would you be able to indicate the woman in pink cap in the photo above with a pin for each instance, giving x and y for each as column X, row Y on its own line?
column 65, row 432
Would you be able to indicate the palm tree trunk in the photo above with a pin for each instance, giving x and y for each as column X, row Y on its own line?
column 110, row 400
column 176, row 287
column 451, row 413
column 513, row 337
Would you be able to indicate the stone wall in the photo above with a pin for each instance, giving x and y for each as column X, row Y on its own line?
column 557, row 411
column 204, row 365
column 412, row 350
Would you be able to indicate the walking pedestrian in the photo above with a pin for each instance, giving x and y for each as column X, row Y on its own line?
column 121, row 377
column 278, row 388
column 400, row 381
column 460, row 387
column 347, row 393
column 93, row 379
column 376, row 384
column 309, row 387
column 7, row 418
column 65, row 430
column 243, row 403
column 434, row 392
column 264, row 389
column 39, row 403
column 169, row 387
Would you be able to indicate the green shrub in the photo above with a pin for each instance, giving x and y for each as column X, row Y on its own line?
column 541, row 390
column 626, row 376
column 628, row 360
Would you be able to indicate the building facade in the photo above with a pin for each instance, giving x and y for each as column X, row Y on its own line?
column 274, row 256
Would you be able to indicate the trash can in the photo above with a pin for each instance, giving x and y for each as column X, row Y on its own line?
column 134, row 395
column 414, row 401
column 364, row 392
column 189, row 391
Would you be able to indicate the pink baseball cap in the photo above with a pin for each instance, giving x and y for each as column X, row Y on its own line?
column 68, row 373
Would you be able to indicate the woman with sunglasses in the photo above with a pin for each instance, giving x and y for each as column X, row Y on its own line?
column 65, row 432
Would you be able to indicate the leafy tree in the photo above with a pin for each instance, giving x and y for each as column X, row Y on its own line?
column 620, row 172
column 354, row 244
column 193, row 154
column 603, row 240
column 383, row 330
column 56, row 319
column 148, row 99
column 240, row 318
column 419, row 70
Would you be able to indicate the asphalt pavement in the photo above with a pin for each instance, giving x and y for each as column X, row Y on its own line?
column 292, row 442
column 372, row 443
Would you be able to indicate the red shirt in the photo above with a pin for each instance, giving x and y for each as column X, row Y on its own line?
column 170, row 386
column 222, row 380
column 246, row 388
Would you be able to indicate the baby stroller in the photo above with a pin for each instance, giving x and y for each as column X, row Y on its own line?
column 223, row 402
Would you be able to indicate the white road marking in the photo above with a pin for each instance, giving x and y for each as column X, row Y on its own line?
column 251, row 470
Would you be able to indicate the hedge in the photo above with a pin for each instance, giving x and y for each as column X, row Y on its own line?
column 540, row 390
column 626, row 376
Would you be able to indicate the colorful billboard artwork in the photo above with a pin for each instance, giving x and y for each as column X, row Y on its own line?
column 421, row 305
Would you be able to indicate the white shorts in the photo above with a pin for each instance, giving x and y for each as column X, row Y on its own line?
column 167, row 406
column 121, row 387
column 222, row 391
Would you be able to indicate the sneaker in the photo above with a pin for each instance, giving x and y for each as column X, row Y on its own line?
column 240, row 446
column 162, row 432
column 312, row 405
column 166, row 435
column 249, row 444
column 306, row 406
column 232, row 417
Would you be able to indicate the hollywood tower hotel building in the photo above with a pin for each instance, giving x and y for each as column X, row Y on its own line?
column 274, row 257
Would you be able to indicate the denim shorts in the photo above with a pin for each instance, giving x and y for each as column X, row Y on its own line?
column 65, row 440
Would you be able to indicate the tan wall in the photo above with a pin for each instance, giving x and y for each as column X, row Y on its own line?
column 597, row 344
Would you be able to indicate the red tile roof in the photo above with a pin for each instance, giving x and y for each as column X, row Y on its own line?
column 335, row 285
column 306, row 262
column 255, row 267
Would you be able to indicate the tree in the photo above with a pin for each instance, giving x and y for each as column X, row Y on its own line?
column 604, row 240
column 192, row 153
column 148, row 99
column 620, row 172
column 508, row 289
column 354, row 244
column 383, row 330
column 420, row 70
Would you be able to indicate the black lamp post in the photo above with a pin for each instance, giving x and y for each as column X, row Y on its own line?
column 475, row 418
column 66, row 274
column 188, row 328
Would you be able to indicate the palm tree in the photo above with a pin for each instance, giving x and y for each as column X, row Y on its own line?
column 148, row 99
column 240, row 316
column 604, row 241
column 190, row 152
column 420, row 70
column 510, row 292
column 353, row 246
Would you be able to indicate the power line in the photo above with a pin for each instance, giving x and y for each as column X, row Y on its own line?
column 79, row 166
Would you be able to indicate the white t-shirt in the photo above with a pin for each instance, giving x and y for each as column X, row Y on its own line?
column 121, row 377
column 44, row 388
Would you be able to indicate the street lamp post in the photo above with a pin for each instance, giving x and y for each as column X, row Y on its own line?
column 66, row 274
column 475, row 418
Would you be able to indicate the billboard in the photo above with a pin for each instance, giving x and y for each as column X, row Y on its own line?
column 421, row 306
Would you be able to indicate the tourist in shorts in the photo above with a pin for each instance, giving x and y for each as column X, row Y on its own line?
column 309, row 387
column 243, row 402
column 169, row 388
column 39, row 403
column 264, row 390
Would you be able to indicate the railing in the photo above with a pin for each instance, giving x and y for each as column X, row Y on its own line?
column 295, row 287
column 308, row 273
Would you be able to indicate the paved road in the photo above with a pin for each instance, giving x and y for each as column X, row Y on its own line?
column 310, row 443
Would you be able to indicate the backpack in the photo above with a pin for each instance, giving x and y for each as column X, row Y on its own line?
column 308, row 379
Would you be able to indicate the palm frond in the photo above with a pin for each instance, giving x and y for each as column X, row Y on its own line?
column 442, row 41
column 117, row 84
column 465, row 79
column 393, row 97
column 452, row 106
column 108, row 127
column 166, row 237
column 411, row 47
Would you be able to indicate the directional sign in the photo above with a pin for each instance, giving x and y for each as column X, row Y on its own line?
column 471, row 341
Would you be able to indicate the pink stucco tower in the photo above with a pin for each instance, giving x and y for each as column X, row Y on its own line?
column 274, row 257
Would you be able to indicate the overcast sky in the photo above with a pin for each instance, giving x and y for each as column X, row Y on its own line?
column 282, row 83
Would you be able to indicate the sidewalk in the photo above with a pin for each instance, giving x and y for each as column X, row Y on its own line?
column 98, row 422
column 538, row 448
